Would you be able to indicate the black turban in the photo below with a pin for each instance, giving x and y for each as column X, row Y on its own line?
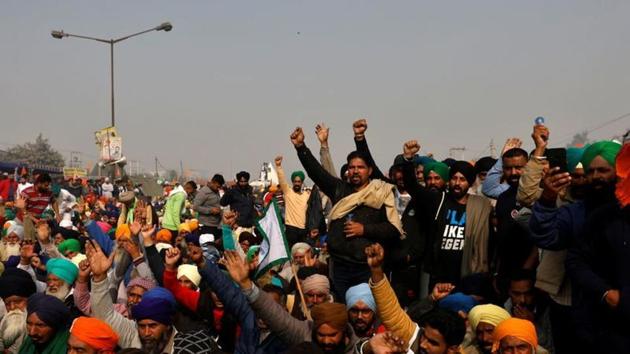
column 242, row 174
column 466, row 169
column 50, row 310
column 484, row 164
column 16, row 282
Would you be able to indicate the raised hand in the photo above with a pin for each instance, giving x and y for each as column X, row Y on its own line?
column 139, row 213
column 410, row 149
column 359, row 127
column 322, row 132
column 540, row 137
column 171, row 258
column 26, row 252
column 147, row 233
column 132, row 248
column 43, row 235
column 309, row 259
column 441, row 290
column 385, row 343
column 511, row 143
column 135, row 226
column 554, row 181
column 99, row 262
column 230, row 184
column 297, row 137
column 375, row 256
column 229, row 218
column 238, row 269
column 20, row 203
column 84, row 271
column 278, row 161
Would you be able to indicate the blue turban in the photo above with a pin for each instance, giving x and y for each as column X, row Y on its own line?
column 160, row 293
column 156, row 309
column 297, row 174
column 422, row 160
column 64, row 269
column 458, row 302
column 574, row 156
column 193, row 238
column 52, row 311
column 362, row 293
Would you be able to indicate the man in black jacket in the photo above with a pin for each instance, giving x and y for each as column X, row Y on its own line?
column 459, row 223
column 364, row 212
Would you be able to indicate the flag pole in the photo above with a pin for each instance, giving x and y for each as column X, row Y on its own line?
column 307, row 313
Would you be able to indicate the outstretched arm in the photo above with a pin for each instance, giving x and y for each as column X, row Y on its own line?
column 235, row 303
column 360, row 127
column 291, row 330
column 322, row 132
column 326, row 182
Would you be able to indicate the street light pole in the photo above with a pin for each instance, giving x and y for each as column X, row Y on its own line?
column 166, row 26
column 111, row 61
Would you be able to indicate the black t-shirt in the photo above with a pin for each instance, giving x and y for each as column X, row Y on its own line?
column 513, row 244
column 449, row 263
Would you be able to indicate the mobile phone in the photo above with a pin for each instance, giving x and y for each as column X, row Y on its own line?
column 557, row 157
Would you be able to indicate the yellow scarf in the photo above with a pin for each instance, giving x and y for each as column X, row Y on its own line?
column 375, row 195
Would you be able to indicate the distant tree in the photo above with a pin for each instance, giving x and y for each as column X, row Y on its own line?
column 39, row 153
column 579, row 139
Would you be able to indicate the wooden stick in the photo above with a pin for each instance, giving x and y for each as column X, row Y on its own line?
column 307, row 313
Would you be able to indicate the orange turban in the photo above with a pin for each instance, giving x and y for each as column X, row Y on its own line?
column 515, row 327
column 330, row 313
column 95, row 333
column 123, row 232
column 163, row 235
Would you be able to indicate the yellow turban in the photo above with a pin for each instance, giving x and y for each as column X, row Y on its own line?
column 490, row 314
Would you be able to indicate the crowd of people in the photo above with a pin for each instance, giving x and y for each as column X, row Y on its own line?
column 527, row 253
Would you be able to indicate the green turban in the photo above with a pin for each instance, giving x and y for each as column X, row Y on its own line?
column 298, row 174
column 438, row 167
column 608, row 150
column 9, row 214
column 72, row 245
column 574, row 156
column 56, row 189
column 63, row 269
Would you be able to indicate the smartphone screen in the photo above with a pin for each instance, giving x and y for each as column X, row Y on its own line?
column 557, row 157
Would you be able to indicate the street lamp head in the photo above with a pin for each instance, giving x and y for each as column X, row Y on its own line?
column 166, row 26
column 58, row 34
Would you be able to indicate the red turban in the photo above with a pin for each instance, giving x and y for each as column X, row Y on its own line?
column 95, row 333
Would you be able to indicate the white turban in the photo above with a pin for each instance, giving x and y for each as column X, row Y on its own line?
column 16, row 229
column 189, row 271
column 300, row 247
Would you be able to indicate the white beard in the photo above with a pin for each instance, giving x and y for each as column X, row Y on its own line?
column 12, row 326
column 12, row 250
column 61, row 293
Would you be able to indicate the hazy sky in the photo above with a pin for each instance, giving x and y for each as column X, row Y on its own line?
column 223, row 90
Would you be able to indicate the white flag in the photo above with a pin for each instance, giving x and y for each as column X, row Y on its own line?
column 274, row 249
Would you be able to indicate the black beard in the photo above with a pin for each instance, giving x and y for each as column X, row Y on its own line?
column 339, row 348
column 156, row 346
column 599, row 193
column 577, row 192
